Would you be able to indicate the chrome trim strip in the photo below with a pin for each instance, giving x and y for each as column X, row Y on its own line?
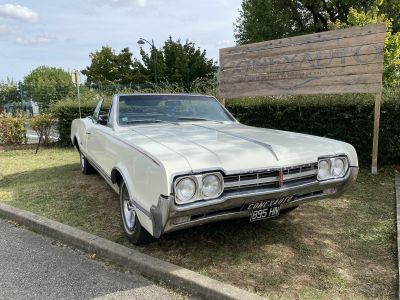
column 243, row 183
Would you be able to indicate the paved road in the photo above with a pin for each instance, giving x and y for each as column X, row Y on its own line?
column 36, row 267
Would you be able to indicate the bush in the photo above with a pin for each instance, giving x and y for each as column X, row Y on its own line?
column 43, row 124
column 348, row 118
column 12, row 130
column 66, row 111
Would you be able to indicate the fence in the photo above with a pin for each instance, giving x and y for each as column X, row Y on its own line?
column 32, row 98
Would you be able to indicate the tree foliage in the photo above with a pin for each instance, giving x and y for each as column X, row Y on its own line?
column 262, row 20
column 109, row 67
column 179, row 63
column 176, row 63
column 391, row 73
column 9, row 92
column 45, row 85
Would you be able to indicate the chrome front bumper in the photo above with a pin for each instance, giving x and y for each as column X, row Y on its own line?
column 168, row 216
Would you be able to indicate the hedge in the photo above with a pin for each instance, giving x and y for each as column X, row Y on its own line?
column 66, row 111
column 348, row 118
column 344, row 117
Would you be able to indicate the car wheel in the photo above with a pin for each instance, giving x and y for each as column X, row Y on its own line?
column 288, row 210
column 86, row 167
column 134, row 231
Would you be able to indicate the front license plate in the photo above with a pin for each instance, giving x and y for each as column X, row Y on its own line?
column 266, row 213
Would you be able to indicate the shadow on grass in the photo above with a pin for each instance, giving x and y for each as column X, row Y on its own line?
column 329, row 248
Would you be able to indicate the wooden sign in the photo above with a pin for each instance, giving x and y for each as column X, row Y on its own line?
column 332, row 62
column 342, row 61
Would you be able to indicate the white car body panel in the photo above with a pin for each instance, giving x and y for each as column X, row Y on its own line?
column 150, row 156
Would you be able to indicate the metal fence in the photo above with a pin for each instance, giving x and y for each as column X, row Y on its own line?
column 30, row 99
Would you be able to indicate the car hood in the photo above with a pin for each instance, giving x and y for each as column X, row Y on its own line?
column 231, row 147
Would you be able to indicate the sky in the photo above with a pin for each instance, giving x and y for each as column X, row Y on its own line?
column 62, row 33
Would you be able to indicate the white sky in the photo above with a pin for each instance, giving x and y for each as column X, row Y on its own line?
column 62, row 33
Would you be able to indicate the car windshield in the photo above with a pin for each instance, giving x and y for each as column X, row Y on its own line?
column 137, row 109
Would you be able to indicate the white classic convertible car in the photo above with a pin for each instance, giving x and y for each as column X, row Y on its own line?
column 182, row 160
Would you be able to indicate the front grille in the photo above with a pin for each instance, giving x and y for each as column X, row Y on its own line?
column 275, row 178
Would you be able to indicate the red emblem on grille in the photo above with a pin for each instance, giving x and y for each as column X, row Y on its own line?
column 280, row 178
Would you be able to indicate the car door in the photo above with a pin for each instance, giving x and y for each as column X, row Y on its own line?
column 100, row 140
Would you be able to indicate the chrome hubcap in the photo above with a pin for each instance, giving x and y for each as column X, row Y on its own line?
column 82, row 162
column 128, row 211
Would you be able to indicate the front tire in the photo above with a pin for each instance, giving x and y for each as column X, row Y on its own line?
column 134, row 231
column 86, row 167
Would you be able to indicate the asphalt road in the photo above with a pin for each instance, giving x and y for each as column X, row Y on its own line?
column 36, row 267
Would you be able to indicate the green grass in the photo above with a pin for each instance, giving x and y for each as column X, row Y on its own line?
column 332, row 249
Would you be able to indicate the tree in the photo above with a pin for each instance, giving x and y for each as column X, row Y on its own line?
column 108, row 67
column 46, row 85
column 262, row 20
column 179, row 63
column 391, row 73
column 9, row 92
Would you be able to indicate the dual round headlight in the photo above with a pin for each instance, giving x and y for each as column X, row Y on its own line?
column 198, row 187
column 334, row 167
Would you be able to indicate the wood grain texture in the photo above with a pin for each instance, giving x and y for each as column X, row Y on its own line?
column 341, row 61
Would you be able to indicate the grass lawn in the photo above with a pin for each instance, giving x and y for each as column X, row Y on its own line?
column 342, row 248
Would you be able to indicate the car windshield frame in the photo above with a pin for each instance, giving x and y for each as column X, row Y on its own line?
column 173, row 97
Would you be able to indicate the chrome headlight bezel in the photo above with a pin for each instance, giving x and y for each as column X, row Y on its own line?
column 332, row 164
column 178, row 182
column 198, row 179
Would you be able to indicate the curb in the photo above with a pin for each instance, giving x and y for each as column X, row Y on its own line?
column 397, row 188
column 131, row 259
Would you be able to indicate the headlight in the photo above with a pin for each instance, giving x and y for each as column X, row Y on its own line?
column 339, row 167
column 212, row 186
column 185, row 189
column 330, row 168
column 324, row 169
column 193, row 188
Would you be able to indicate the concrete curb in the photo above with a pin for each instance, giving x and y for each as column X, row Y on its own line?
column 397, row 188
column 131, row 259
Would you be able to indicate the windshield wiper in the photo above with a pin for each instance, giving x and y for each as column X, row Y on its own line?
column 148, row 121
column 193, row 119
column 144, row 121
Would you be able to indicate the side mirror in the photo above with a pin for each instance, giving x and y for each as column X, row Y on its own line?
column 103, row 119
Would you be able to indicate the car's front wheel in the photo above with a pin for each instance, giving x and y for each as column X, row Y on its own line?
column 86, row 167
column 130, row 222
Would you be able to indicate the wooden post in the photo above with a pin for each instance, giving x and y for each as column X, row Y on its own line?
column 223, row 101
column 377, row 115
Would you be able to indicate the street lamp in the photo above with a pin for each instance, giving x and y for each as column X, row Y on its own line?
column 141, row 42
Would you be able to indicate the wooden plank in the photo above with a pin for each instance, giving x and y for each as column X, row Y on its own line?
column 375, row 68
column 331, row 89
column 377, row 114
column 314, row 51
column 294, row 86
column 307, row 39
column 323, row 64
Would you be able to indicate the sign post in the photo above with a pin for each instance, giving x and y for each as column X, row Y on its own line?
column 333, row 62
column 76, row 79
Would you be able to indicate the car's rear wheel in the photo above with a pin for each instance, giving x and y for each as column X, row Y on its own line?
column 86, row 167
column 134, row 231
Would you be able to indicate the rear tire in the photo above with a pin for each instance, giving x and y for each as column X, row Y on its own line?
column 134, row 231
column 86, row 167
